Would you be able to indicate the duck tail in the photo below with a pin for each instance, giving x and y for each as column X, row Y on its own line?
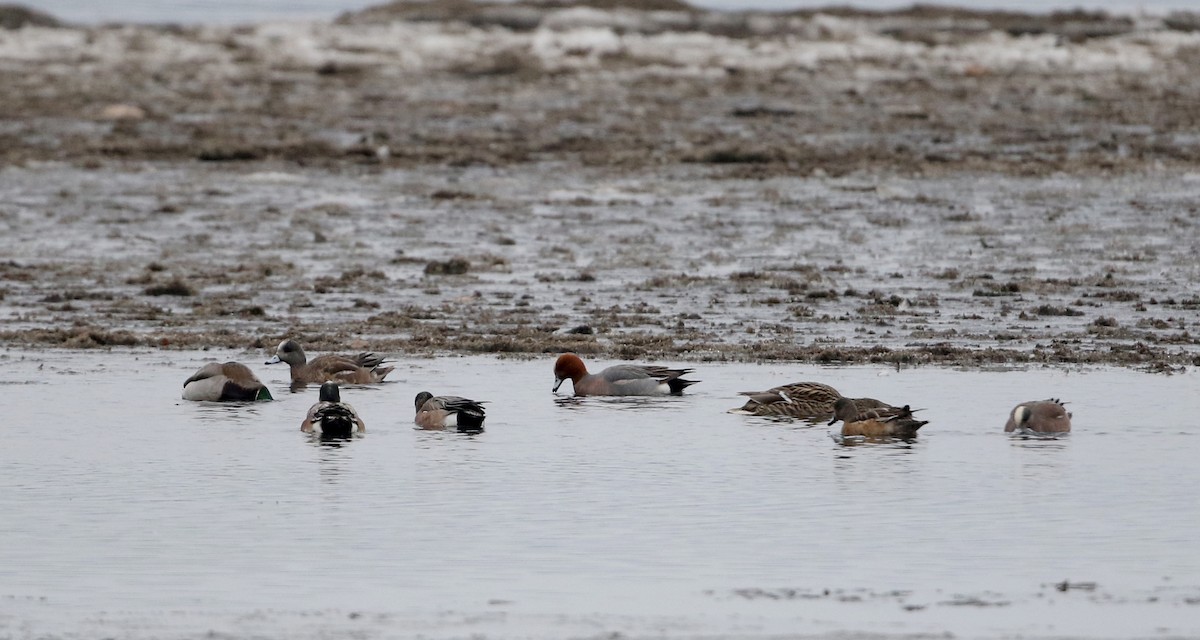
column 336, row 421
column 470, row 421
column 468, row 414
column 677, row 385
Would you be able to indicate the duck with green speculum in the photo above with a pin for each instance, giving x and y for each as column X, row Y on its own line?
column 225, row 382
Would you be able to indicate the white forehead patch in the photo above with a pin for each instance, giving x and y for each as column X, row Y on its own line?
column 1020, row 414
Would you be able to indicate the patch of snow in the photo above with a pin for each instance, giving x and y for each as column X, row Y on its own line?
column 583, row 39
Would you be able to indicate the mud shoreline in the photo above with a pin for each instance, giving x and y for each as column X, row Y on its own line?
column 906, row 188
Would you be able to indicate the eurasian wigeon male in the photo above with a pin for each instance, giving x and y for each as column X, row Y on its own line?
column 449, row 412
column 331, row 417
column 224, row 382
column 1039, row 417
column 881, row 422
column 809, row 400
column 363, row 368
column 619, row 380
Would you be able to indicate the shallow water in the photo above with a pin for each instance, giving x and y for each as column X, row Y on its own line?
column 130, row 512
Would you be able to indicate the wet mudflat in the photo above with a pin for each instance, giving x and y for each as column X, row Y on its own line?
column 931, row 186
column 961, row 270
column 148, row 516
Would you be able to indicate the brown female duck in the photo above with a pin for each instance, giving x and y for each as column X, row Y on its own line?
column 881, row 422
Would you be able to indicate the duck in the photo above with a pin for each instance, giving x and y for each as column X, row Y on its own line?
column 875, row 423
column 363, row 368
column 225, row 382
column 620, row 380
column 331, row 417
column 1039, row 417
column 810, row 400
column 449, row 412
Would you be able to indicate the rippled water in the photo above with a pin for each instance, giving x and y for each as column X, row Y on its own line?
column 129, row 512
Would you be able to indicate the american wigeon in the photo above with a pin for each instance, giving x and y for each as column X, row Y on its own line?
column 364, row 368
column 224, row 382
column 1039, row 416
column 811, row 400
column 619, row 380
column 875, row 423
column 331, row 417
column 453, row 412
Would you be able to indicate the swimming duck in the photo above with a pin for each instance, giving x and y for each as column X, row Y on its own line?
column 454, row 412
column 331, row 417
column 875, row 423
column 1039, row 416
column 364, row 368
column 619, row 380
column 224, row 382
column 812, row 400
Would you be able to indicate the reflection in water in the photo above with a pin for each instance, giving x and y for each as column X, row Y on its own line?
column 1027, row 435
column 1033, row 440
column 334, row 455
column 798, row 422
column 892, row 449
column 894, row 443
column 1040, row 445
column 569, row 402
column 429, row 436
column 781, row 422
column 226, row 412
column 452, row 431
column 332, row 439
column 623, row 403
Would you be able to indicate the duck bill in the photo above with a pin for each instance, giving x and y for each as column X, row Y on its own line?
column 835, row 419
column 557, row 383
column 274, row 359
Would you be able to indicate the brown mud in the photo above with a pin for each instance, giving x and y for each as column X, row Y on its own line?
column 929, row 186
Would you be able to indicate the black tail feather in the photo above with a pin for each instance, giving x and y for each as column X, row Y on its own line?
column 677, row 385
column 336, row 422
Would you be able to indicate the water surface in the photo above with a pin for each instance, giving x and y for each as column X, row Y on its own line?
column 130, row 512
